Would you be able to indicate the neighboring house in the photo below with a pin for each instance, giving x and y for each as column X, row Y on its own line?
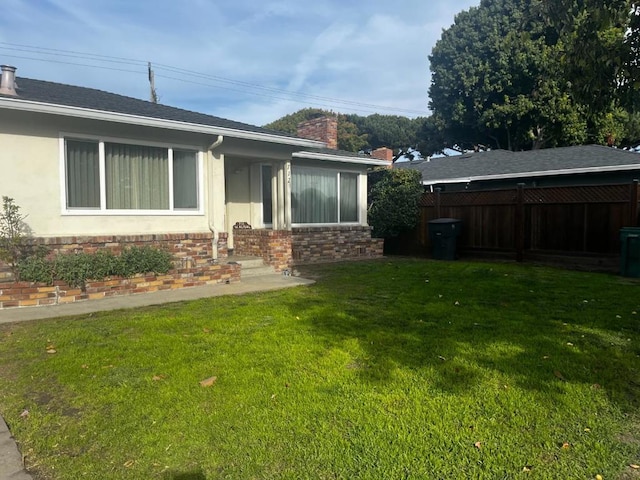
column 92, row 168
column 494, row 169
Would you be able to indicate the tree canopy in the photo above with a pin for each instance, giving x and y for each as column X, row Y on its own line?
column 523, row 74
column 356, row 132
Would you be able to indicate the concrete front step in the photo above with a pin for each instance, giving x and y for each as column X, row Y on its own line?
column 251, row 266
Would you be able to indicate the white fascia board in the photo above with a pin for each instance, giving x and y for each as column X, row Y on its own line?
column 372, row 162
column 78, row 112
column 542, row 173
column 447, row 180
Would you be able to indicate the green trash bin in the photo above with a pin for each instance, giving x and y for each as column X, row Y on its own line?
column 443, row 234
column 630, row 252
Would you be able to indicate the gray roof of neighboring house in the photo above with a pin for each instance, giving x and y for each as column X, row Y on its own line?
column 496, row 164
column 90, row 98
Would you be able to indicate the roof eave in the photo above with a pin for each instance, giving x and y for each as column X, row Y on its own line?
column 79, row 112
column 541, row 173
column 370, row 162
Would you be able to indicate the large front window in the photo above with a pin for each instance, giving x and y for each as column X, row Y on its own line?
column 323, row 196
column 103, row 175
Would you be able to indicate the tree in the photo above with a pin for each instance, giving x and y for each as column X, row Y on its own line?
column 350, row 138
column 601, row 47
column 393, row 201
column 356, row 133
column 505, row 76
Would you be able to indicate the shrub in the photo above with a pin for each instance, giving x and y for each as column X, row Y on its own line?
column 393, row 201
column 14, row 236
column 76, row 268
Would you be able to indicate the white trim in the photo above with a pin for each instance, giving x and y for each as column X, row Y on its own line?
column 541, row 173
column 341, row 158
column 103, row 211
column 87, row 113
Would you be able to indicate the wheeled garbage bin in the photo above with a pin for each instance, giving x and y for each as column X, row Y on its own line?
column 443, row 233
column 630, row 252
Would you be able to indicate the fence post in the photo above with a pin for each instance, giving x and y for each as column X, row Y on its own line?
column 634, row 199
column 519, row 223
column 438, row 190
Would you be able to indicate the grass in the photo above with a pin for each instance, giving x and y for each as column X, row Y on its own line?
column 382, row 370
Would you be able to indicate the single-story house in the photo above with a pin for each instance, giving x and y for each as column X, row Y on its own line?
column 496, row 169
column 94, row 169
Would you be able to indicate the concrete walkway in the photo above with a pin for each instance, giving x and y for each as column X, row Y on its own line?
column 11, row 465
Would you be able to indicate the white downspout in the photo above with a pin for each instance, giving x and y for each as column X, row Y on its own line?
column 211, row 218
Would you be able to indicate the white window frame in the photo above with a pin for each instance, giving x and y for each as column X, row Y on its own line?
column 337, row 172
column 103, row 211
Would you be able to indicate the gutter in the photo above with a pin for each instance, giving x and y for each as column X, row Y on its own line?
column 341, row 158
column 210, row 206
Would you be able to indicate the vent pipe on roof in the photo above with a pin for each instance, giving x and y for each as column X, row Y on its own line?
column 8, row 80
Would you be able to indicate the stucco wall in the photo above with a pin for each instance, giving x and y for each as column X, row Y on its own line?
column 31, row 174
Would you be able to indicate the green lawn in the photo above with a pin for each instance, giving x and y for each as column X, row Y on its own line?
column 388, row 369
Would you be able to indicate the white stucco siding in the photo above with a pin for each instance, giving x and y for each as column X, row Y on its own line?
column 32, row 171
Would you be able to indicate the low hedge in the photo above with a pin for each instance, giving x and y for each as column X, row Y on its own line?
column 76, row 268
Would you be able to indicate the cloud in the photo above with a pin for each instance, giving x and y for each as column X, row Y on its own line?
column 366, row 52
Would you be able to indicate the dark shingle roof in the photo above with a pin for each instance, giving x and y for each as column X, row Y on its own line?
column 82, row 97
column 521, row 164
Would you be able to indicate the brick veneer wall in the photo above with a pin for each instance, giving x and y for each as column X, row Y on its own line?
column 274, row 246
column 282, row 249
column 192, row 259
column 26, row 294
column 328, row 244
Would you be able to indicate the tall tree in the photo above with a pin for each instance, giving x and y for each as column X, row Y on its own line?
column 503, row 77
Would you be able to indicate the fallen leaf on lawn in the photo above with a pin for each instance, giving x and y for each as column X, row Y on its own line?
column 457, row 303
column 51, row 350
column 273, row 396
column 207, row 382
column 478, row 445
column 566, row 445
column 559, row 375
column 634, row 466
column 156, row 378
column 599, row 477
column 618, row 316
column 527, row 468
column 129, row 463
column 587, row 429
column 24, row 414
column 546, row 357
column 570, row 344
column 206, row 330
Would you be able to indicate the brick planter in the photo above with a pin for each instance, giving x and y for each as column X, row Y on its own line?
column 192, row 256
column 26, row 294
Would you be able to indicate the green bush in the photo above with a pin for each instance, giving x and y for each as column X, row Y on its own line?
column 76, row 268
column 393, row 201
column 36, row 268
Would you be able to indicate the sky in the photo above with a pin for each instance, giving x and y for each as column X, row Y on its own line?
column 245, row 60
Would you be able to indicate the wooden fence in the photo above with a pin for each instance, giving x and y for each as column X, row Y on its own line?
column 521, row 222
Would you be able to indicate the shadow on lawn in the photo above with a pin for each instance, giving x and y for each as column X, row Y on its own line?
column 197, row 475
column 460, row 342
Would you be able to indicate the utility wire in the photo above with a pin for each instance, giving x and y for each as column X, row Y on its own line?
column 273, row 93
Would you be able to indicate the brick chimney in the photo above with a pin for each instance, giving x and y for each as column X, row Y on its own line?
column 8, row 80
column 323, row 129
column 383, row 153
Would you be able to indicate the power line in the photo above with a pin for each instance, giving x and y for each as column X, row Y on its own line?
column 245, row 87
